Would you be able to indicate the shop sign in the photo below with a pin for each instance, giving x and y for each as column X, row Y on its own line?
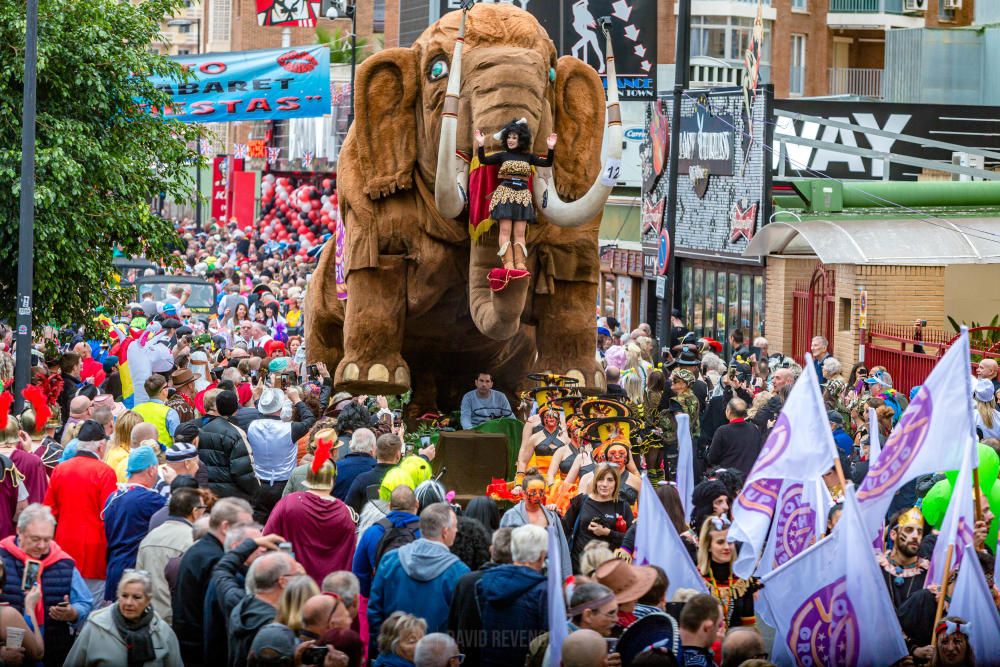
column 706, row 147
column 743, row 221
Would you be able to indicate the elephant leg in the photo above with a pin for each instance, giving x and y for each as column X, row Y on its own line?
column 567, row 336
column 324, row 332
column 373, row 330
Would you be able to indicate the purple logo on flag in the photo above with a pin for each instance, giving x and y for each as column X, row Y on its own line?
column 796, row 526
column 776, row 443
column 824, row 629
column 903, row 445
column 760, row 496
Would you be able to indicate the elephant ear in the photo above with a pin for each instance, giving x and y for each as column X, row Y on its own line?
column 579, row 112
column 385, row 124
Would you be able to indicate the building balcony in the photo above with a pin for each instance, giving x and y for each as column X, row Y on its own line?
column 864, row 82
column 876, row 14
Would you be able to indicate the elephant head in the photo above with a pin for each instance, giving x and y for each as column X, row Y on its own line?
column 480, row 70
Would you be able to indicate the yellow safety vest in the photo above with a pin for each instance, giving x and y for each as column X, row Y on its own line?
column 156, row 414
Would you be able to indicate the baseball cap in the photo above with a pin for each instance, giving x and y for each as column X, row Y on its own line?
column 140, row 459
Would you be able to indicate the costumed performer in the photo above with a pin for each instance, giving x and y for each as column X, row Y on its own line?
column 511, row 204
column 715, row 562
column 533, row 510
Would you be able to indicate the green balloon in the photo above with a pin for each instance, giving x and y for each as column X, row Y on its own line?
column 989, row 467
column 936, row 503
column 993, row 495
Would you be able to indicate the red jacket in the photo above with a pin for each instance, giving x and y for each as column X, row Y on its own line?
column 78, row 490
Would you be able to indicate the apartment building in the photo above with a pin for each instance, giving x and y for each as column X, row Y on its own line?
column 811, row 47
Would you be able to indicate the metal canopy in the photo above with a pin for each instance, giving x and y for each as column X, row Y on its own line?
column 904, row 241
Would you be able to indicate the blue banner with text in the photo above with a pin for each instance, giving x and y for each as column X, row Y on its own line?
column 271, row 84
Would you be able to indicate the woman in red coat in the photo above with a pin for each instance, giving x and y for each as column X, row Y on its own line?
column 321, row 528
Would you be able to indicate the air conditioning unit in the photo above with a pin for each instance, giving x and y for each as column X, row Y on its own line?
column 914, row 5
column 952, row 4
column 966, row 160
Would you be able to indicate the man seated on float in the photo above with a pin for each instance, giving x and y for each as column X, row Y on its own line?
column 615, row 449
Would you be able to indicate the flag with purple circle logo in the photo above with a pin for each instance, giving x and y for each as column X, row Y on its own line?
column 800, row 447
column 959, row 520
column 924, row 440
column 799, row 522
column 829, row 603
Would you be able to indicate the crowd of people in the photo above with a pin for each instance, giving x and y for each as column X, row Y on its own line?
column 191, row 491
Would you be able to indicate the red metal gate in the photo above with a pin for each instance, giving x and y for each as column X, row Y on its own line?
column 813, row 310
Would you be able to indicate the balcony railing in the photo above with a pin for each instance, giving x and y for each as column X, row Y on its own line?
column 866, row 6
column 866, row 82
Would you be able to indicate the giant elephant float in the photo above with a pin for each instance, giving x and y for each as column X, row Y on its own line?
column 419, row 308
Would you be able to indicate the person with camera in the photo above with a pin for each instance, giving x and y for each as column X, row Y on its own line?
column 31, row 559
column 272, row 445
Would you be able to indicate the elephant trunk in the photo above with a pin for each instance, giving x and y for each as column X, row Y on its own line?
column 584, row 209
column 496, row 314
column 451, row 178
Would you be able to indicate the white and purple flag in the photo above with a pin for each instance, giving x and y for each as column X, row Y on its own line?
column 829, row 604
column 874, row 438
column 924, row 440
column 959, row 521
column 557, row 602
column 800, row 447
column 657, row 543
column 799, row 522
column 971, row 600
column 685, row 464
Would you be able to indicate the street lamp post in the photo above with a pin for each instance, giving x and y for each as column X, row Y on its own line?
column 352, row 11
column 26, row 231
column 197, row 173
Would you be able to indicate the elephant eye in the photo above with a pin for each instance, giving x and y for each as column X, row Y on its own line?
column 438, row 69
column 552, row 74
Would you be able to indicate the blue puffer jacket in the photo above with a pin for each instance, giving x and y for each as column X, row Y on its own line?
column 418, row 578
column 514, row 603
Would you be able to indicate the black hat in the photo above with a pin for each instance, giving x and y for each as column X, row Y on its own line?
column 653, row 632
column 183, row 331
column 183, row 482
column 171, row 324
column 227, row 403
column 187, row 431
column 91, row 431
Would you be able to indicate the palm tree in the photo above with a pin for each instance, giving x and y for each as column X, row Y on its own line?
column 339, row 42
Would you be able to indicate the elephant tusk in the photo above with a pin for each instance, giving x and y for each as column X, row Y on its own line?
column 584, row 209
column 451, row 182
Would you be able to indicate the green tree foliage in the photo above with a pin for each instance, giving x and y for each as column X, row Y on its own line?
column 99, row 159
column 339, row 42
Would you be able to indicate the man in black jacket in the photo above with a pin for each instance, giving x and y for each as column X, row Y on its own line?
column 736, row 444
column 225, row 452
column 248, row 613
column 464, row 621
column 195, row 571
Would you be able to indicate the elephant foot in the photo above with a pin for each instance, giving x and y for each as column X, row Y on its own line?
column 500, row 278
column 373, row 378
column 588, row 374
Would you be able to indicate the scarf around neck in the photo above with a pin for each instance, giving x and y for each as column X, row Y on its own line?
column 136, row 634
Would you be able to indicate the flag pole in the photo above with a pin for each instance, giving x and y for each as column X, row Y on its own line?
column 978, row 497
column 941, row 593
column 840, row 473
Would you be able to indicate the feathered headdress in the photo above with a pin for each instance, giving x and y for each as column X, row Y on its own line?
column 323, row 449
column 6, row 399
column 35, row 395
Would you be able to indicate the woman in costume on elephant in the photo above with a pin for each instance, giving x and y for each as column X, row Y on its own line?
column 511, row 204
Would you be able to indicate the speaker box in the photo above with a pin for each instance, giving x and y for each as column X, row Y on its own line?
column 472, row 459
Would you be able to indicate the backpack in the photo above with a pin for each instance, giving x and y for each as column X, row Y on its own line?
column 395, row 537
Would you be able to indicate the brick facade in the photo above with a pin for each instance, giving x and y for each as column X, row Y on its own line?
column 247, row 35
column 897, row 294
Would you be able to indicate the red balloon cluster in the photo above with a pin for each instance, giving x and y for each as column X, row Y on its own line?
column 297, row 213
